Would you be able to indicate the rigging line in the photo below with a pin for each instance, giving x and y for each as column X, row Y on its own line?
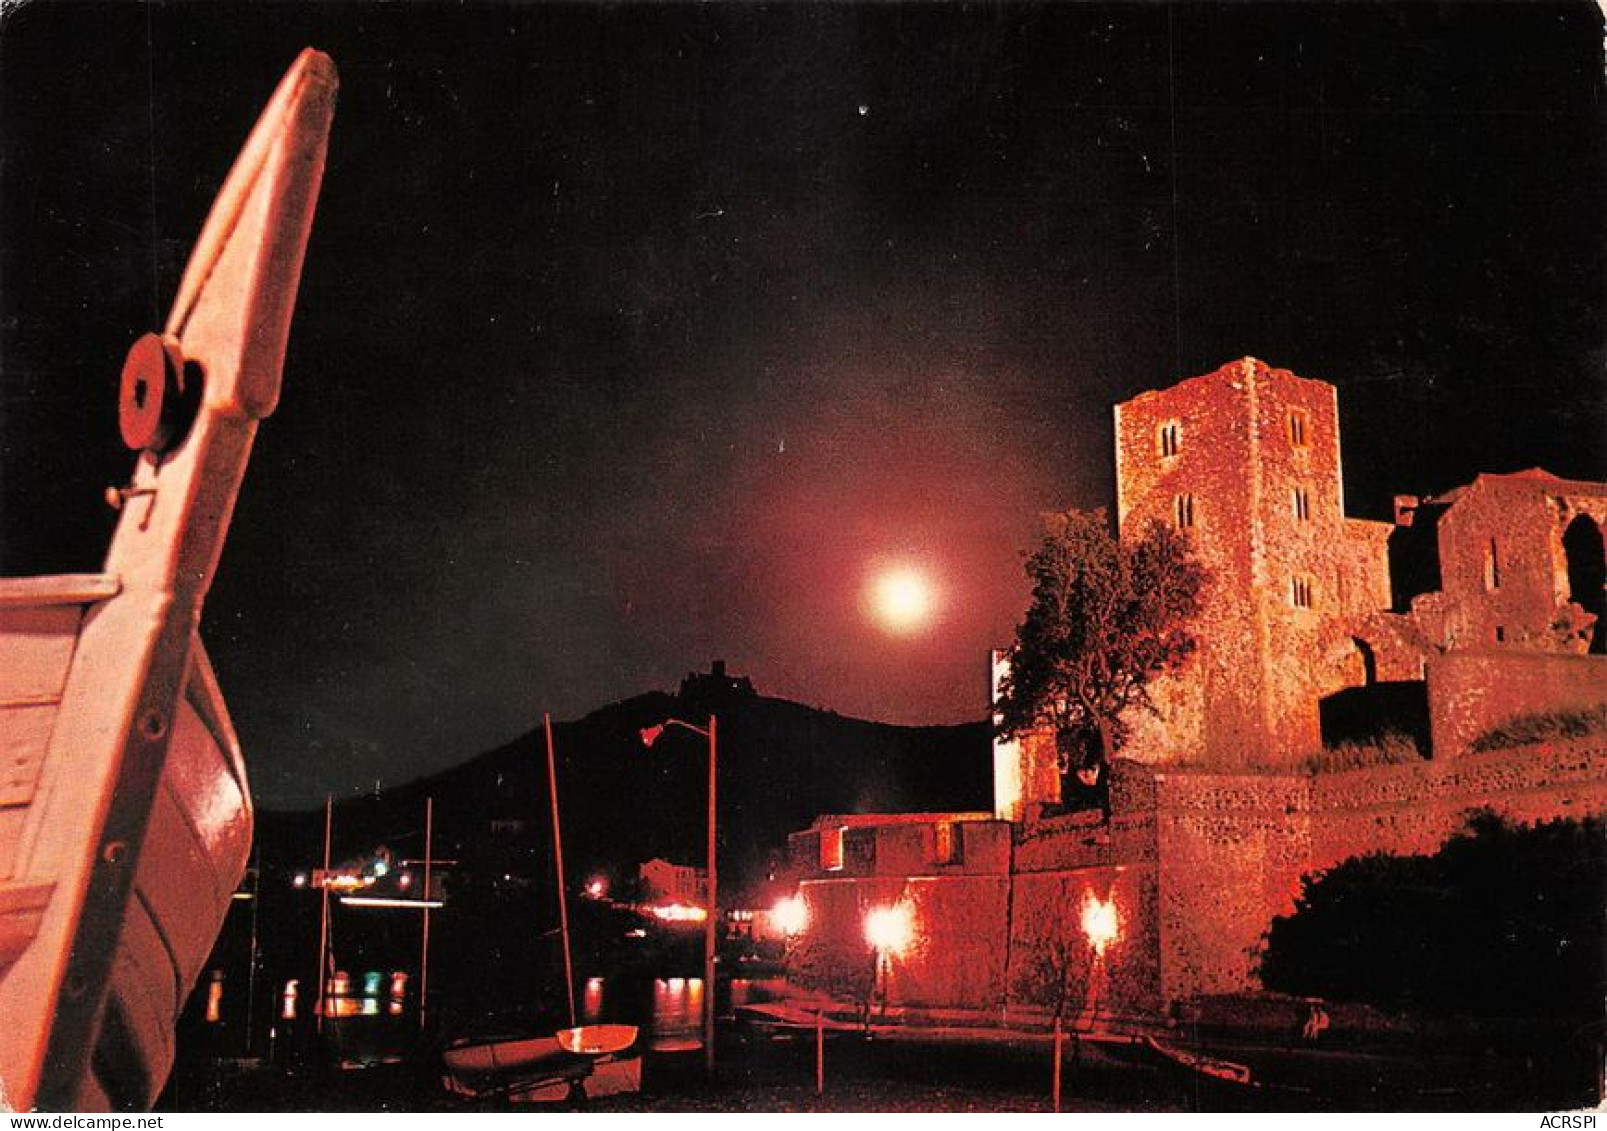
column 150, row 96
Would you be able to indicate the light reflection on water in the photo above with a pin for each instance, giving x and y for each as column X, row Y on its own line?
column 675, row 1020
column 668, row 1010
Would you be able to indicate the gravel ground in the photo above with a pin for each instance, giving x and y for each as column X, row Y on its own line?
column 854, row 1095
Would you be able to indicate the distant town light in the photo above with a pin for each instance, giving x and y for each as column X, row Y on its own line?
column 597, row 887
column 385, row 901
column 790, row 915
column 214, row 998
column 340, row 881
column 300, row 880
column 1099, row 922
column 678, row 913
column 889, row 929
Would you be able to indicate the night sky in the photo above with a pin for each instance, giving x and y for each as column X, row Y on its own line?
column 630, row 337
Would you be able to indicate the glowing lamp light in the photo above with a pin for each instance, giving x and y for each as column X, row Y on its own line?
column 596, row 889
column 889, row 929
column 790, row 915
column 300, row 880
column 1099, row 922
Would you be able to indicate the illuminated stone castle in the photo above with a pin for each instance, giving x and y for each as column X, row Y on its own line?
column 1469, row 610
column 1300, row 639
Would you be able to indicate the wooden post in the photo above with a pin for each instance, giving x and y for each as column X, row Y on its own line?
column 713, row 909
column 1059, row 1037
column 424, row 941
column 323, row 920
column 820, row 1052
column 558, row 863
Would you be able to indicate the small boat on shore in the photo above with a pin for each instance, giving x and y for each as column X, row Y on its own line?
column 585, row 1061
column 125, row 816
column 1216, row 1068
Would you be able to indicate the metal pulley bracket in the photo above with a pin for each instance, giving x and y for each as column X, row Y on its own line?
column 159, row 394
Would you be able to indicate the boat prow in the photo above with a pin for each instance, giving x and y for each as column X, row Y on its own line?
column 125, row 816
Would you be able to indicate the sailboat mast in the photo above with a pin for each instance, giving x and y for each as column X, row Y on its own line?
column 323, row 921
column 424, row 942
column 251, row 958
column 558, row 863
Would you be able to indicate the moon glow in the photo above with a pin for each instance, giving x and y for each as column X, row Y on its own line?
column 900, row 600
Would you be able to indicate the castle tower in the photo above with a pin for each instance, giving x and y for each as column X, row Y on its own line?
column 1246, row 461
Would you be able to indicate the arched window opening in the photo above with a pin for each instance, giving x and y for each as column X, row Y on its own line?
column 1587, row 574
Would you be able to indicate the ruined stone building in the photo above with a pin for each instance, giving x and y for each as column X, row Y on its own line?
column 1471, row 609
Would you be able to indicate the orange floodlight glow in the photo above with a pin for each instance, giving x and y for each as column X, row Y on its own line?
column 889, row 929
column 1099, row 922
column 790, row 915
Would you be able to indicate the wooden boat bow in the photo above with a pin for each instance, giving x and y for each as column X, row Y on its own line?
column 125, row 817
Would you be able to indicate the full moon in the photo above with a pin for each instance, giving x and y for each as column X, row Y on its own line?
column 901, row 600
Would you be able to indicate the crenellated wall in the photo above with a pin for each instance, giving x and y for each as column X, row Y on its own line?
column 1195, row 866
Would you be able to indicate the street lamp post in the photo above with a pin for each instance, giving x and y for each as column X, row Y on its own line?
column 651, row 735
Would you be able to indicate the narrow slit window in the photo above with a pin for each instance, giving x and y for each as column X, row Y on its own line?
column 1500, row 634
column 1300, row 592
column 1183, row 511
column 1302, row 505
column 1492, row 567
column 1170, row 439
column 1297, row 428
column 943, row 843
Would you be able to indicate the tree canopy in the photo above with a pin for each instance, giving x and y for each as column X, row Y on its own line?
column 1503, row 921
column 1106, row 618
